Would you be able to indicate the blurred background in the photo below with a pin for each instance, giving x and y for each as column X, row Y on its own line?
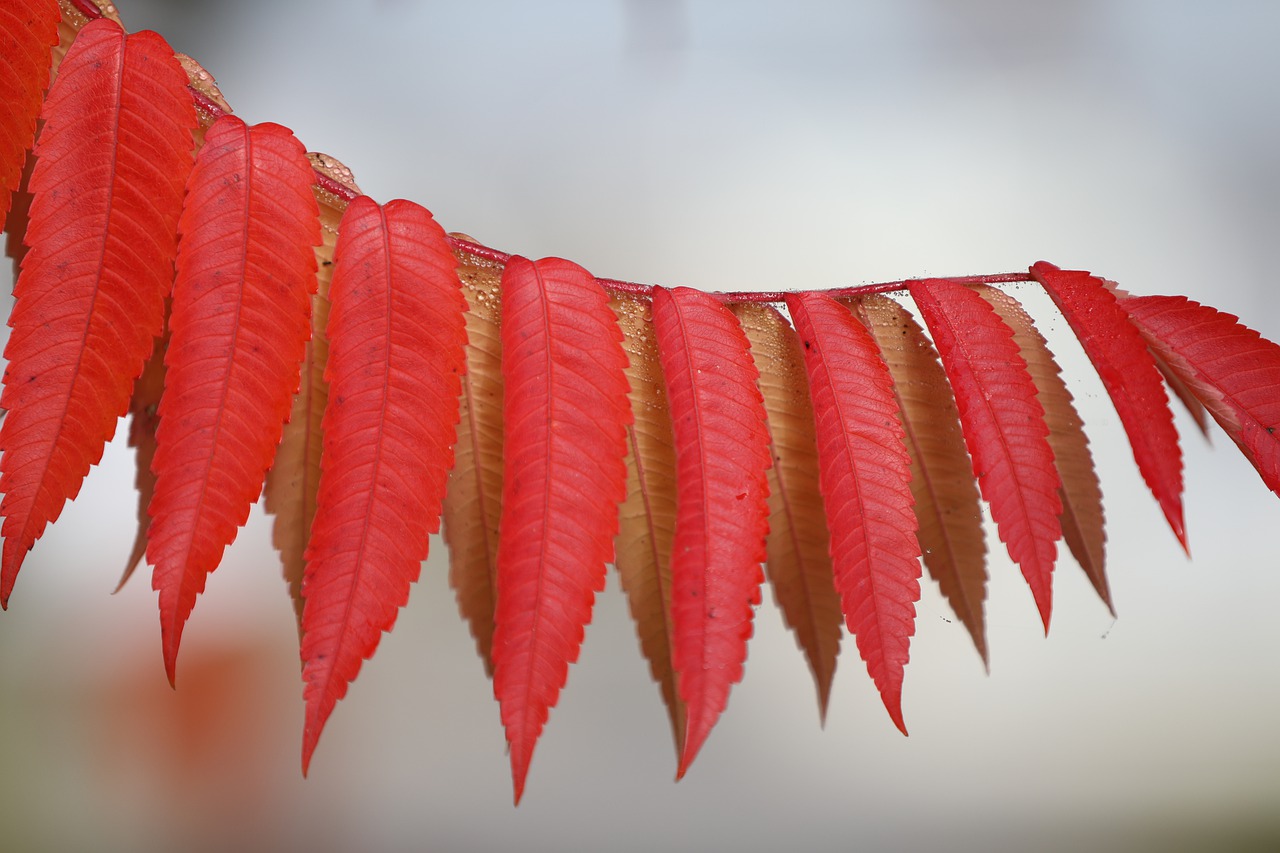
column 724, row 145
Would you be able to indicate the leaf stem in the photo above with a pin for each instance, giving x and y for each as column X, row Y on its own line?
column 478, row 250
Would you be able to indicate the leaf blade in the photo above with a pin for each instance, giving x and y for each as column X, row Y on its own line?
column 1129, row 374
column 473, row 500
column 238, row 326
column 865, row 476
column 28, row 33
column 1232, row 370
column 947, row 503
column 1003, row 425
column 722, row 452
column 647, row 518
column 1081, row 496
column 107, row 187
column 292, row 485
column 396, row 336
column 798, row 564
column 564, row 417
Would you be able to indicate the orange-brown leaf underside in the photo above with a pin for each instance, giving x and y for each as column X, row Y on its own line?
column 647, row 518
column 396, row 336
column 799, row 563
column 237, row 329
column 722, row 451
column 1081, row 496
column 946, row 497
column 473, row 501
column 112, row 159
column 293, row 483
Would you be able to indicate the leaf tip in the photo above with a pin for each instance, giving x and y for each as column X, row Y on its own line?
column 9, row 572
column 893, row 704
column 695, row 736
column 1045, row 606
column 519, row 772
column 824, row 697
column 171, row 665
column 316, row 717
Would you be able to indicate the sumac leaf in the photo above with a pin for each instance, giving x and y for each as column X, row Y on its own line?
column 647, row 518
column 108, row 183
column 1127, row 371
column 947, row 504
column 396, row 336
column 564, row 419
column 1081, row 496
column 865, row 476
column 1004, row 427
column 292, row 486
column 239, row 322
column 722, row 452
column 473, row 501
column 1230, row 368
column 798, row 562
column 28, row 32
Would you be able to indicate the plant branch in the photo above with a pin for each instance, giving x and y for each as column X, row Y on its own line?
column 461, row 244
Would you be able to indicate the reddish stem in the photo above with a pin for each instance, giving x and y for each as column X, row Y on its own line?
column 87, row 8
column 497, row 256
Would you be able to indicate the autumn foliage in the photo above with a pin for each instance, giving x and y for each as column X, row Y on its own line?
column 271, row 330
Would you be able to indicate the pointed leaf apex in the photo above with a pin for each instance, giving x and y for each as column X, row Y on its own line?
column 1044, row 603
column 519, row 773
column 310, row 737
column 893, row 704
column 824, row 702
column 171, row 642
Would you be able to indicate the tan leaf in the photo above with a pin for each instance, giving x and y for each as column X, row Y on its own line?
column 1184, row 394
column 473, row 499
column 294, row 479
column 209, row 100
column 799, row 560
column 942, row 483
column 1082, row 519
column 647, row 516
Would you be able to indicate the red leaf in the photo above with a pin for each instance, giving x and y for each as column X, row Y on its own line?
column 396, row 338
column 1004, row 427
column 565, row 413
column 28, row 32
column 1232, row 369
column 112, row 159
column 948, row 508
column 1129, row 374
column 1082, row 518
column 865, row 476
column 722, row 454
column 239, row 322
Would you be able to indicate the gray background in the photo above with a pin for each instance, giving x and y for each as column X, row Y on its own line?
column 726, row 146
